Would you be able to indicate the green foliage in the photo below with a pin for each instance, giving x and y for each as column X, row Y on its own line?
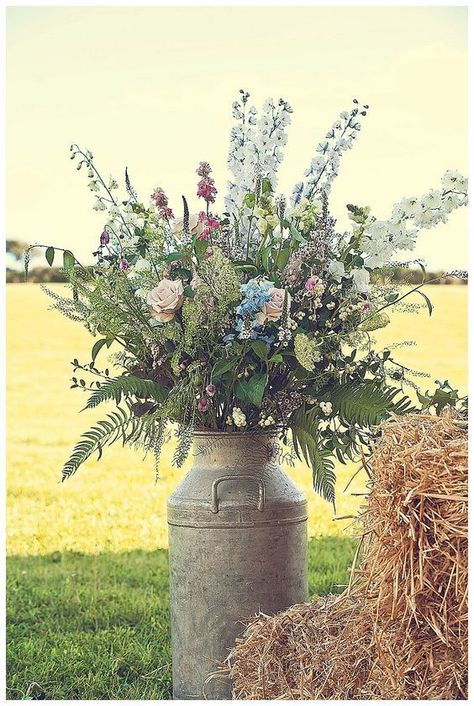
column 49, row 255
column 308, row 446
column 443, row 396
column 374, row 322
column 368, row 402
column 251, row 390
column 126, row 386
column 120, row 424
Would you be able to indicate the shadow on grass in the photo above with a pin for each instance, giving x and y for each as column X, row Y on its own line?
column 97, row 626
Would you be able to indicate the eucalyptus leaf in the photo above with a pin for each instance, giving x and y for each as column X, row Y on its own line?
column 68, row 260
column 49, row 255
column 97, row 347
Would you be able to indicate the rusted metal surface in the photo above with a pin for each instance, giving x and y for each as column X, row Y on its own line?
column 237, row 546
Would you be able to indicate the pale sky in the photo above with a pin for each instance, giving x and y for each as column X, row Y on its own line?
column 151, row 88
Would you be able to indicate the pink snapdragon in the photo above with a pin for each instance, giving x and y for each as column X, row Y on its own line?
column 206, row 188
column 160, row 201
column 209, row 225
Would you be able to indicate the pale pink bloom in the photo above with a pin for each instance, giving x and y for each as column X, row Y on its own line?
column 211, row 390
column 196, row 225
column 273, row 308
column 165, row 299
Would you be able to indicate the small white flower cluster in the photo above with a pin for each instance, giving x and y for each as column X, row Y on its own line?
column 266, row 421
column 326, row 408
column 325, row 165
column 292, row 324
column 246, row 331
column 238, row 418
column 284, row 336
column 347, row 309
column 382, row 238
column 255, row 147
column 349, row 369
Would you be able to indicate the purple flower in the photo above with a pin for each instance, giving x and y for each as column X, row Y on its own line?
column 123, row 264
column 203, row 404
column 104, row 238
column 211, row 390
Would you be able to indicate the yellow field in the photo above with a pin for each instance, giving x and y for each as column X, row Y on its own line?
column 114, row 505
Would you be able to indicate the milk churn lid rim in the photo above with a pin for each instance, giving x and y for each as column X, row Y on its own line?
column 216, row 432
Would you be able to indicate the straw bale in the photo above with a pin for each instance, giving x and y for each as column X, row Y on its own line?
column 399, row 631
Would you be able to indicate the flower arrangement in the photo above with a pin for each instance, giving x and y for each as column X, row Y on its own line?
column 258, row 318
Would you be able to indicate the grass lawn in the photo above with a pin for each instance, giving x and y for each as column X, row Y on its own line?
column 96, row 626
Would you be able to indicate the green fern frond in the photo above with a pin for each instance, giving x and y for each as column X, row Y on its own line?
column 368, row 402
column 308, row 447
column 126, row 386
column 119, row 424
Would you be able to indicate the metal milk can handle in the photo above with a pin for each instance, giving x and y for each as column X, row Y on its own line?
column 261, row 490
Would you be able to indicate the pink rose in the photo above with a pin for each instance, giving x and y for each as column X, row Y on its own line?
column 165, row 299
column 273, row 308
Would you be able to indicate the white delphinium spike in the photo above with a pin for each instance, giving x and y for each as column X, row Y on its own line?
column 382, row 238
column 255, row 147
column 325, row 164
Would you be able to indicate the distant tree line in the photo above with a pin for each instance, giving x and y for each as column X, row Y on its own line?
column 40, row 273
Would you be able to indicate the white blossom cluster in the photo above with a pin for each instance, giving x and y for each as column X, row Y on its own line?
column 382, row 238
column 238, row 418
column 255, row 147
column 121, row 222
column 325, row 164
column 326, row 408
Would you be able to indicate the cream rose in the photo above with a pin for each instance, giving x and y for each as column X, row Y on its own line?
column 196, row 225
column 165, row 299
column 273, row 308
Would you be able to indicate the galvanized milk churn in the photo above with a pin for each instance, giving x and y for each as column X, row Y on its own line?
column 237, row 546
